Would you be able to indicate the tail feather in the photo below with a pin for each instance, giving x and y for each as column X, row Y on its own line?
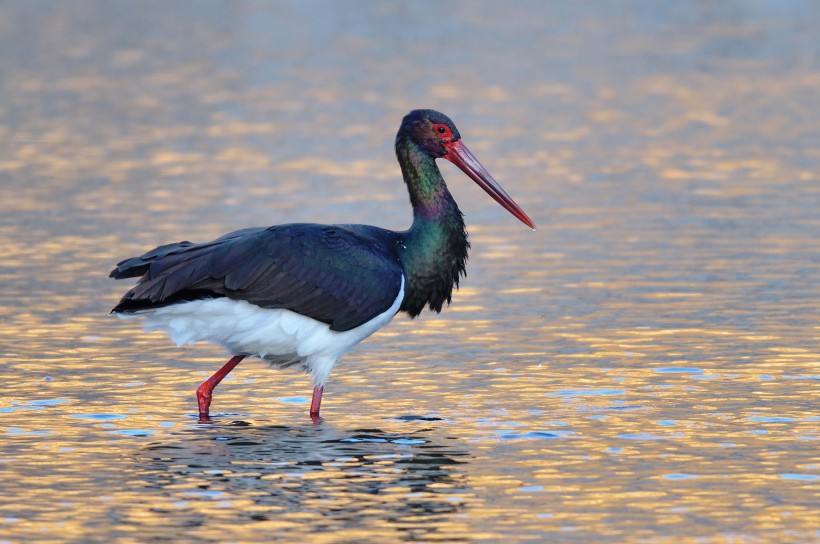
column 137, row 266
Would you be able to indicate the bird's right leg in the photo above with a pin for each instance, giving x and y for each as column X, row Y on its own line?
column 316, row 403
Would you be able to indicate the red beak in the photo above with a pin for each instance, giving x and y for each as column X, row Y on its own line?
column 458, row 154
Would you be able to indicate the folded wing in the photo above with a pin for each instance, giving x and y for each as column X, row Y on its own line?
column 340, row 275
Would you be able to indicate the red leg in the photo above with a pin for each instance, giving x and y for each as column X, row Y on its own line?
column 316, row 403
column 205, row 390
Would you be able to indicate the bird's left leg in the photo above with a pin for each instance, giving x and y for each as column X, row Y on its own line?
column 204, row 392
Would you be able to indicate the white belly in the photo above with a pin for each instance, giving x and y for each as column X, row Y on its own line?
column 279, row 335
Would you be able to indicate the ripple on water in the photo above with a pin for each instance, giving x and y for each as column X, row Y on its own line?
column 585, row 392
column 535, row 435
column 48, row 402
column 679, row 476
column 800, row 477
column 99, row 417
column 648, row 436
column 675, row 242
column 293, row 400
column 38, row 404
column 417, row 418
column 133, row 432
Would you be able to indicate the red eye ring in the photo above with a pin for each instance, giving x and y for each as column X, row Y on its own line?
column 443, row 132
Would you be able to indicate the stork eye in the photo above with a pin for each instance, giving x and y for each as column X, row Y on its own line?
column 443, row 131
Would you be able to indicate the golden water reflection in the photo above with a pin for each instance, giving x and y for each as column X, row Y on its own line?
column 644, row 367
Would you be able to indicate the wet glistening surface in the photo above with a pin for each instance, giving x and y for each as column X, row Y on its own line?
column 642, row 368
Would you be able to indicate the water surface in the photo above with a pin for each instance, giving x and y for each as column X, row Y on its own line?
column 643, row 368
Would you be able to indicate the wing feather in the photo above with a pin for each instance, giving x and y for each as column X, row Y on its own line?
column 340, row 275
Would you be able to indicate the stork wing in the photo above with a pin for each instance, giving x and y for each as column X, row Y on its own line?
column 340, row 275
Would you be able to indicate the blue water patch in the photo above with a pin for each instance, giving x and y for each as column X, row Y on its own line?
column 677, row 370
column 585, row 392
column 40, row 404
column 98, row 417
column 531, row 488
column 293, row 400
column 21, row 431
column 801, row 477
column 679, row 476
column 667, row 422
column 771, row 419
column 540, row 435
column 408, row 441
column 48, row 402
column 133, row 432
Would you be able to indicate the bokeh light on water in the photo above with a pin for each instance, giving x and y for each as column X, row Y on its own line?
column 644, row 367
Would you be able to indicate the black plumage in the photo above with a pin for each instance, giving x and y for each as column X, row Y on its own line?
column 342, row 275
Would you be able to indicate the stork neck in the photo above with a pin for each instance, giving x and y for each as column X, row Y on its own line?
column 435, row 247
column 431, row 200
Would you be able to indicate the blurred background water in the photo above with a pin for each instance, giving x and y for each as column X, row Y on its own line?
column 643, row 368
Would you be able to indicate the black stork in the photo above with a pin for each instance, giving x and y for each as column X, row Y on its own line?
column 305, row 294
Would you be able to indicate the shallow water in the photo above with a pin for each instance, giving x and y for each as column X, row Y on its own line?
column 642, row 368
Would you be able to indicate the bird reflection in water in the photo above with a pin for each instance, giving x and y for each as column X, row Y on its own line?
column 333, row 479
